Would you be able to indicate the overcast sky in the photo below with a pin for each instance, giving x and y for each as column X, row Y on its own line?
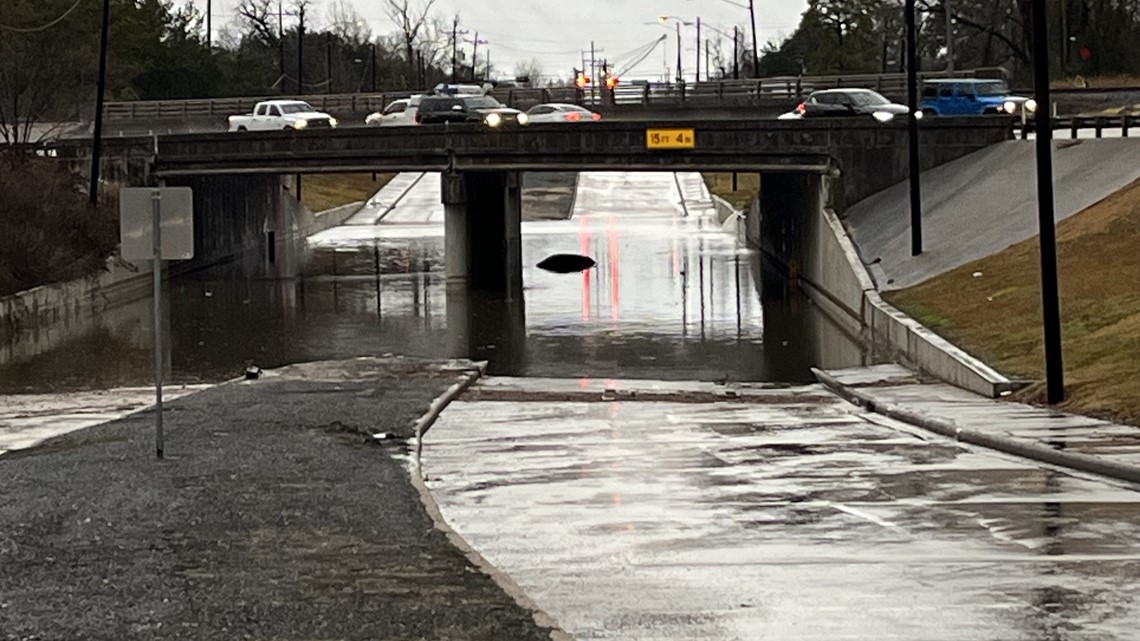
column 555, row 32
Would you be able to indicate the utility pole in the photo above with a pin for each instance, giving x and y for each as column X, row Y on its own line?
column 946, row 6
column 708, row 60
column 755, row 49
column 209, row 24
column 454, row 48
column 593, row 71
column 1050, row 302
column 328, row 64
column 281, row 41
column 680, row 75
column 912, row 121
column 301, row 64
column 475, row 57
column 735, row 53
column 373, row 48
column 697, row 78
column 101, row 91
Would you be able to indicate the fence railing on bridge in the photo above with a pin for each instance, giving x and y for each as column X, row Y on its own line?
column 729, row 92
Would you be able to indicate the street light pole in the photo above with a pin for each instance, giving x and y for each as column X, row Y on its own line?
column 680, row 76
column 912, row 121
column 697, row 78
column 373, row 48
column 301, row 55
column 281, row 42
column 735, row 52
column 755, row 49
column 101, row 92
column 454, row 49
column 1050, row 302
column 947, row 7
column 210, row 24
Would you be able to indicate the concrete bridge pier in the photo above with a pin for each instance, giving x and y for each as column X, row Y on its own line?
column 483, row 231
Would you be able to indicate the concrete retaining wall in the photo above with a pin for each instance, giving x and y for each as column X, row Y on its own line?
column 803, row 233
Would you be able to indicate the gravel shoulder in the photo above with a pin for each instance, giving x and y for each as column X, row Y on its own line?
column 275, row 516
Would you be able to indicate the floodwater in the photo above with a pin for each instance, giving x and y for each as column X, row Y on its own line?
column 673, row 297
column 790, row 515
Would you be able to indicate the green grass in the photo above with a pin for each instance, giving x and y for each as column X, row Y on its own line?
column 321, row 192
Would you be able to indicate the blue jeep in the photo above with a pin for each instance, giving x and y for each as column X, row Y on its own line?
column 971, row 97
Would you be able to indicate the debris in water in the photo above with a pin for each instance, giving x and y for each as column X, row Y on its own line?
column 566, row 263
column 252, row 373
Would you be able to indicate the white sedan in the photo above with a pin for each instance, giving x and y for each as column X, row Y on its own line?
column 559, row 112
column 398, row 113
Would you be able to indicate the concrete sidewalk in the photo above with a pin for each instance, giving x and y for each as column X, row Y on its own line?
column 278, row 514
column 1069, row 440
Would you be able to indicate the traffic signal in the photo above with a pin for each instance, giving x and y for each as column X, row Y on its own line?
column 580, row 80
column 611, row 82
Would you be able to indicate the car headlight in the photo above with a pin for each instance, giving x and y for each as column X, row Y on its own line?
column 883, row 116
column 1010, row 107
column 1031, row 105
column 493, row 120
column 919, row 114
column 523, row 119
column 332, row 121
column 300, row 124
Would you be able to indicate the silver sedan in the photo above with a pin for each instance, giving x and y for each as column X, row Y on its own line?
column 559, row 112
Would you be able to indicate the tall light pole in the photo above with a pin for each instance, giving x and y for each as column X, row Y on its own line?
column 100, row 94
column 697, row 78
column 454, row 48
column 680, row 75
column 210, row 24
column 301, row 56
column 735, row 53
column 1050, row 302
column 755, row 49
column 948, row 9
column 912, row 121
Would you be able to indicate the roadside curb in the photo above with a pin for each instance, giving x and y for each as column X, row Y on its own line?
column 501, row 578
column 1016, row 447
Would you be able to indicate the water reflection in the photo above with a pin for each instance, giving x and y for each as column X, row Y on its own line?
column 671, row 298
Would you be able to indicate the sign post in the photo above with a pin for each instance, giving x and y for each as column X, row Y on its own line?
column 156, row 224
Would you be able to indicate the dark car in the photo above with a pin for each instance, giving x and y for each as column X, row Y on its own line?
column 468, row 109
column 850, row 102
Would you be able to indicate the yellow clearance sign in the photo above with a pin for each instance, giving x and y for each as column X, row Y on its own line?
column 669, row 139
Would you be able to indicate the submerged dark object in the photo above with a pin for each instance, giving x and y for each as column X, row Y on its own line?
column 566, row 263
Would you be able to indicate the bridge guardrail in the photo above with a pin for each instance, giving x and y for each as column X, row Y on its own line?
column 790, row 88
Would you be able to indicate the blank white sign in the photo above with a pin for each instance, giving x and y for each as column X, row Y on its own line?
column 136, row 212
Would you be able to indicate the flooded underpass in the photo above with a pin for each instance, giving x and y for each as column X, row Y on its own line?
column 673, row 297
column 602, row 464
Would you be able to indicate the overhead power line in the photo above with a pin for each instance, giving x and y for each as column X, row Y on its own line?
column 5, row 27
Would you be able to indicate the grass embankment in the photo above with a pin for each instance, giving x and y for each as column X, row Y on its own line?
column 747, row 186
column 997, row 315
column 1097, row 82
column 48, row 232
column 327, row 191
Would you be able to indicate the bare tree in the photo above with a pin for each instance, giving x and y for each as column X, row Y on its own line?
column 346, row 24
column 529, row 73
column 259, row 19
column 411, row 20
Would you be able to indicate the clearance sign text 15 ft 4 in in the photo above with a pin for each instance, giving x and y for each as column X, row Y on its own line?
column 669, row 139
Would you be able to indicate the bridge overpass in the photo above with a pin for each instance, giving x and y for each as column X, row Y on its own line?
column 804, row 165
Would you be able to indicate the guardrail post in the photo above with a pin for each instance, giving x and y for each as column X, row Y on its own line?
column 1125, row 122
column 1074, row 125
column 1099, row 125
column 799, row 87
column 645, row 94
column 681, row 86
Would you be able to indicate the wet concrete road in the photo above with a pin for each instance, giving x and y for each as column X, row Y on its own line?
column 793, row 516
column 672, row 297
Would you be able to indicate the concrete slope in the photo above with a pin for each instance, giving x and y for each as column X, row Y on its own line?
column 382, row 202
column 980, row 204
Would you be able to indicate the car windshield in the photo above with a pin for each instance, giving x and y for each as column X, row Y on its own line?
column 482, row 102
column 295, row 108
column 869, row 99
column 995, row 88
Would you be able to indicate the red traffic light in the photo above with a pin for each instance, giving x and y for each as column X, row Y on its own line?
column 581, row 80
column 611, row 82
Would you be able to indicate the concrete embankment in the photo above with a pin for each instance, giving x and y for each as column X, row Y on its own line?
column 284, row 509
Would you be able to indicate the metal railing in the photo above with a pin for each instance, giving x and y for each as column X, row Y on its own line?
column 785, row 89
column 1098, row 124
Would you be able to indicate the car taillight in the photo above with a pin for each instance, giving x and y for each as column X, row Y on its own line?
column 573, row 116
column 801, row 108
column 597, row 116
column 416, row 119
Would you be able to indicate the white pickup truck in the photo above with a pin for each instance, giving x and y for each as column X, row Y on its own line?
column 282, row 114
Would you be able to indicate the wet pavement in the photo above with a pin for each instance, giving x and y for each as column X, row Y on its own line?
column 672, row 297
column 795, row 517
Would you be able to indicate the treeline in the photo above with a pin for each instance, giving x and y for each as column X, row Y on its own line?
column 49, row 54
column 1088, row 37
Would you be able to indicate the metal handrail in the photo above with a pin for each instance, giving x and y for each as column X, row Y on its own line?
column 778, row 88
